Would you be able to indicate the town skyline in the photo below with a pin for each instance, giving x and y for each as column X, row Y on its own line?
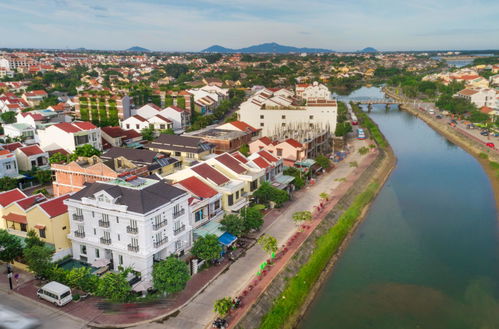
column 193, row 26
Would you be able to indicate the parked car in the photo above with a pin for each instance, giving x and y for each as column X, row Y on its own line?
column 438, row 116
column 10, row 319
column 491, row 145
column 484, row 133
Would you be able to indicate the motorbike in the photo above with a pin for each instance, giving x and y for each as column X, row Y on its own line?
column 220, row 323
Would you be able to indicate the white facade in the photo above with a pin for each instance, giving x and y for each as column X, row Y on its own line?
column 101, row 227
column 316, row 91
column 180, row 118
column 69, row 136
column 480, row 97
column 21, row 130
column 8, row 164
column 274, row 113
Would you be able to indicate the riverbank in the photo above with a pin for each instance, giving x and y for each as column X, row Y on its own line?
column 287, row 297
column 474, row 148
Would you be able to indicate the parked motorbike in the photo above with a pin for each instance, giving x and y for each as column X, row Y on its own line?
column 220, row 323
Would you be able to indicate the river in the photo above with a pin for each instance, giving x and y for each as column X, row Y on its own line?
column 426, row 255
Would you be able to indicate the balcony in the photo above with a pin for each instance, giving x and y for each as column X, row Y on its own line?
column 79, row 234
column 105, row 240
column 104, row 223
column 179, row 230
column 133, row 248
column 159, row 225
column 160, row 242
column 178, row 213
column 78, row 218
column 132, row 230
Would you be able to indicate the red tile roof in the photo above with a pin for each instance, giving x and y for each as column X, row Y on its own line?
column 139, row 117
column 265, row 140
column 30, row 201
column 243, row 126
column 35, row 115
column 197, row 187
column 114, row 132
column 486, row 109
column 231, row 163
column 468, row 92
column 209, row 173
column 67, row 127
column 3, row 152
column 8, row 197
column 162, row 118
column 239, row 157
column 84, row 125
column 62, row 151
column 31, row 150
column 293, row 142
column 55, row 207
column 12, row 146
column 261, row 162
column 267, row 156
column 11, row 217
column 131, row 134
column 176, row 108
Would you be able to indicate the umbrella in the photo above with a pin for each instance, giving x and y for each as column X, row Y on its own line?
column 101, row 262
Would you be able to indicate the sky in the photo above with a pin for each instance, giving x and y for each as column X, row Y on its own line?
column 193, row 25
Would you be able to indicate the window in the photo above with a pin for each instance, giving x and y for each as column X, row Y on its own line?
column 217, row 204
column 105, row 217
column 8, row 166
column 93, row 214
column 178, row 244
column 283, row 117
column 79, row 212
column 230, row 200
column 261, row 116
column 97, row 253
column 177, row 154
column 95, row 231
column 118, row 237
column 137, row 126
column 237, row 195
column 41, row 232
column 127, row 126
column 63, row 228
column 120, row 259
column 83, row 249
column 311, row 117
column 24, row 228
column 279, row 152
column 198, row 216
column 176, row 226
column 261, row 124
column 161, row 126
column 283, row 124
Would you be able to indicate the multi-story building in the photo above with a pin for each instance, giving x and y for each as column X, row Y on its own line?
column 23, row 131
column 279, row 112
column 31, row 157
column 116, row 137
column 69, row 136
column 130, row 222
column 224, row 140
column 185, row 148
column 34, row 97
column 8, row 164
column 152, row 116
column 91, row 106
column 7, row 198
column 480, row 96
column 47, row 217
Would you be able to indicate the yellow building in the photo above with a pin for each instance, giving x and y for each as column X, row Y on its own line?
column 6, row 199
column 47, row 217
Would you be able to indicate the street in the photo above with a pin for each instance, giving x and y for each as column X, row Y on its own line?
column 50, row 318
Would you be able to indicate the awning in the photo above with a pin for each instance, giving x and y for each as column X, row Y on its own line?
column 40, row 227
column 208, row 228
column 227, row 239
column 142, row 286
column 101, row 262
column 282, row 181
column 305, row 163
column 16, row 218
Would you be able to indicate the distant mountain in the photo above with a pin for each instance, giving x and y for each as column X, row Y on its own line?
column 265, row 48
column 368, row 50
column 138, row 49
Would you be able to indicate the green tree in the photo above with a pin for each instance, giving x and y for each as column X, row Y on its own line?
column 39, row 260
column 86, row 150
column 58, row 158
column 302, row 216
column 233, row 224
column 245, row 150
column 42, row 191
column 7, row 183
column 168, row 131
column 114, row 286
column 207, row 247
column 252, row 218
column 223, row 306
column 147, row 134
column 43, row 176
column 268, row 243
column 8, row 117
column 170, row 275
column 32, row 239
column 10, row 246
column 298, row 182
column 82, row 278
column 323, row 161
column 266, row 193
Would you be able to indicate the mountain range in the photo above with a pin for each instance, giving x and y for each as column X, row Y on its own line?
column 138, row 49
column 368, row 50
column 265, row 48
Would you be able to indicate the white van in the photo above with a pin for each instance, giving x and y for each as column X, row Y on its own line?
column 55, row 293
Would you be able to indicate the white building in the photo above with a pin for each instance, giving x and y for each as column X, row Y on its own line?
column 130, row 223
column 69, row 136
column 152, row 116
column 276, row 112
column 480, row 96
column 23, row 131
column 8, row 164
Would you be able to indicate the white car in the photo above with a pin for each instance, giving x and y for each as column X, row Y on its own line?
column 10, row 319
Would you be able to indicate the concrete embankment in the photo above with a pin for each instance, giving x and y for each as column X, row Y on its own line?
column 457, row 137
column 378, row 171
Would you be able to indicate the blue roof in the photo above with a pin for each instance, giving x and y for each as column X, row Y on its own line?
column 227, row 239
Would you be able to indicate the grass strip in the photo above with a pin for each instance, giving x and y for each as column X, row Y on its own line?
column 368, row 123
column 299, row 286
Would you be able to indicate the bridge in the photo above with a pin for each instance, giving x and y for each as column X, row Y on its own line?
column 371, row 101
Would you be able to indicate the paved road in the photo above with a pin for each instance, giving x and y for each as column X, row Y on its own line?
column 50, row 318
column 199, row 313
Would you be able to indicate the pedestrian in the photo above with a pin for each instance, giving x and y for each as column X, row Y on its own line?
column 16, row 276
